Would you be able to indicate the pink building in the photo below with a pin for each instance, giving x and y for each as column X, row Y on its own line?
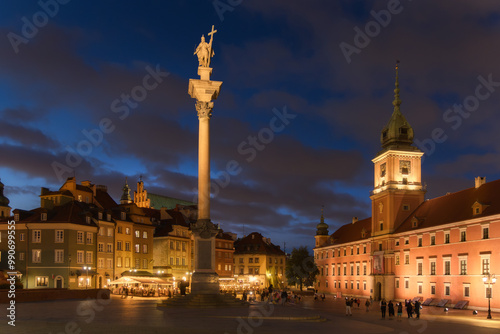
column 437, row 250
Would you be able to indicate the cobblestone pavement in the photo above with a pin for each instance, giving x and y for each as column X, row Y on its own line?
column 141, row 315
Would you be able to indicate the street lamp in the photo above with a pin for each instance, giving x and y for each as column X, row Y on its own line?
column 87, row 279
column 490, row 279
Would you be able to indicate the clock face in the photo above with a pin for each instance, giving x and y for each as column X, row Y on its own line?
column 405, row 167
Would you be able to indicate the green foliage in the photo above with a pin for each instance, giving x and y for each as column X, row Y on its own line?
column 301, row 268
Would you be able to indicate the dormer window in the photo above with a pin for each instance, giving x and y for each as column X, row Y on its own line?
column 88, row 219
column 478, row 208
column 108, row 216
column 43, row 216
column 123, row 215
column 414, row 222
column 16, row 216
column 100, row 215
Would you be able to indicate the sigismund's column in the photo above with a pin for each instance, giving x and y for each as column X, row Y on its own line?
column 205, row 280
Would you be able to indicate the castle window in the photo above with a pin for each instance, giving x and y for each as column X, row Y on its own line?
column 406, row 207
column 485, row 232
column 381, row 226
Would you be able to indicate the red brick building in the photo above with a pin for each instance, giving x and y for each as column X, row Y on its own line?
column 437, row 249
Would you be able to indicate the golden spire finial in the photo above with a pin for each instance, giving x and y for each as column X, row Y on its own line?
column 397, row 101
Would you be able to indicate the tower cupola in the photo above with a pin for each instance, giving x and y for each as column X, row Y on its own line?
column 397, row 134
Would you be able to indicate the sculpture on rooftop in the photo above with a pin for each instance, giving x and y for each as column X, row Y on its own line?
column 204, row 51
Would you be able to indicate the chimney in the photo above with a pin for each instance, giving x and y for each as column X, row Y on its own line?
column 479, row 181
column 354, row 219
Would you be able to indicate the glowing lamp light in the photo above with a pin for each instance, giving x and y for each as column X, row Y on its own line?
column 474, row 312
column 485, row 279
column 184, row 278
column 446, row 309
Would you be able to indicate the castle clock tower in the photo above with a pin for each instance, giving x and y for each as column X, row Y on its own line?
column 397, row 191
column 398, row 188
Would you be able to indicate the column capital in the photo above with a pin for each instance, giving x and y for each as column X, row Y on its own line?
column 204, row 109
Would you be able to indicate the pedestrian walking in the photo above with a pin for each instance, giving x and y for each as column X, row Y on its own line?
column 390, row 306
column 367, row 304
column 400, row 311
column 383, row 307
column 348, row 307
column 358, row 301
column 323, row 297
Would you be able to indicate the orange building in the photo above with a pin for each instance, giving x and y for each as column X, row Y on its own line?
column 439, row 250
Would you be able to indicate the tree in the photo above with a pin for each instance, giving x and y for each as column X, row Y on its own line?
column 301, row 268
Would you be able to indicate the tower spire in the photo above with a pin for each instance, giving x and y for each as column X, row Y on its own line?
column 126, row 193
column 397, row 101
column 322, row 218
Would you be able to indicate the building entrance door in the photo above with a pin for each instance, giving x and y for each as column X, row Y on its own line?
column 59, row 283
column 379, row 291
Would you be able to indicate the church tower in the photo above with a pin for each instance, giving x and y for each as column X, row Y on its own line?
column 4, row 203
column 398, row 188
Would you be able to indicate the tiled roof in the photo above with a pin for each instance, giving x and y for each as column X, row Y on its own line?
column 454, row 207
column 71, row 212
column 166, row 226
column 352, row 232
column 254, row 243
column 104, row 200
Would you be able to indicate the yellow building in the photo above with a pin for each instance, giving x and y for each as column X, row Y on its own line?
column 259, row 263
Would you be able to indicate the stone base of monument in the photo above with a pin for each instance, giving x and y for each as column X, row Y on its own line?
column 204, row 301
column 205, row 283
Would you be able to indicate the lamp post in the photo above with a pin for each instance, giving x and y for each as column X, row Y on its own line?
column 490, row 279
column 86, row 279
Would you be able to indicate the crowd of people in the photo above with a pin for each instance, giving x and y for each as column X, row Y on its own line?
column 274, row 296
column 410, row 306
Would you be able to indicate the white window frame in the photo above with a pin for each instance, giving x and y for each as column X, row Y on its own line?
column 37, row 236
column 80, row 257
column 36, row 255
column 59, row 239
column 89, row 257
column 60, row 258
column 465, row 285
column 80, row 235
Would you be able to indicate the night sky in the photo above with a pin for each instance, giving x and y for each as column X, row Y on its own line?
column 307, row 88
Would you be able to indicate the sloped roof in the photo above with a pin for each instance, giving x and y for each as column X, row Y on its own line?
column 254, row 244
column 159, row 201
column 166, row 226
column 352, row 232
column 455, row 207
column 104, row 200
column 71, row 212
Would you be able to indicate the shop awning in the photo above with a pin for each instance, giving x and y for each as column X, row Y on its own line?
column 141, row 280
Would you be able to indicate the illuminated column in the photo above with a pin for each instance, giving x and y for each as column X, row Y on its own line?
column 204, row 279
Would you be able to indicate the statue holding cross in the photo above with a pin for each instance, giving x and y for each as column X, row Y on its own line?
column 204, row 50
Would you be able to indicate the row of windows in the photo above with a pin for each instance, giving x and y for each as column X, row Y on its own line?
column 178, row 261
column 36, row 256
column 125, row 262
column 137, row 247
column 177, row 245
column 325, row 254
column 446, row 238
column 227, row 245
column 462, row 265
column 337, row 284
column 104, row 263
column 324, row 271
column 100, row 247
column 446, row 288
column 227, row 267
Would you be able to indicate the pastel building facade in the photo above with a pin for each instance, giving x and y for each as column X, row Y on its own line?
column 439, row 249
